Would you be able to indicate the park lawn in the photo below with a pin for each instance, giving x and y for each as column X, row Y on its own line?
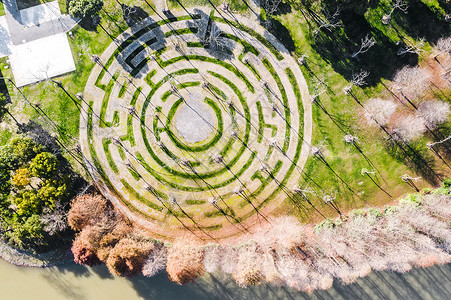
column 344, row 159
column 353, row 190
column 2, row 9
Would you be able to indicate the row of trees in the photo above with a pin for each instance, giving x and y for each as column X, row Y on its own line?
column 416, row 232
column 105, row 236
column 412, row 107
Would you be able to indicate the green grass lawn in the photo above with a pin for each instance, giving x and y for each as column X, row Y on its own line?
column 2, row 9
column 341, row 177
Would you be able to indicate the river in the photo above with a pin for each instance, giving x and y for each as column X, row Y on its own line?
column 72, row 281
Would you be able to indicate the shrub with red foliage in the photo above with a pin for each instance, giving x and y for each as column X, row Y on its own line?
column 185, row 262
column 84, row 254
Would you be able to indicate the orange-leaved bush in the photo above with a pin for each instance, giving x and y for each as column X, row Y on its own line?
column 128, row 256
column 88, row 209
column 185, row 262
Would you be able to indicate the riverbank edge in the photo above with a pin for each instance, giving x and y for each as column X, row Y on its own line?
column 27, row 259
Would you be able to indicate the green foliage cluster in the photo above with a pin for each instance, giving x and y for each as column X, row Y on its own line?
column 85, row 8
column 31, row 186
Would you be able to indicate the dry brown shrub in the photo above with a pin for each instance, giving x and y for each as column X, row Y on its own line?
column 88, row 209
column 128, row 256
column 92, row 234
column 117, row 231
column 249, row 268
column 185, row 262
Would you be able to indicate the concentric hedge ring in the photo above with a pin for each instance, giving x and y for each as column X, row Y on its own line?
column 196, row 123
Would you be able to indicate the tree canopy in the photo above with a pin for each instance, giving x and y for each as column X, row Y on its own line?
column 32, row 185
column 85, row 8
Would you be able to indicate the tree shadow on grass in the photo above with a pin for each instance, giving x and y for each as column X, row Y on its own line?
column 422, row 22
column 133, row 14
column 90, row 23
column 337, row 47
column 416, row 157
column 280, row 32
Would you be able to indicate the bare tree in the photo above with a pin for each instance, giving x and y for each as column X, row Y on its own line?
column 303, row 58
column 434, row 112
column 431, row 145
column 350, row 139
column 437, row 205
column 318, row 88
column 397, row 4
column 379, row 110
column 270, row 6
column 444, row 45
column 329, row 22
column 365, row 44
column 54, row 221
column 409, row 128
column 212, row 257
column 128, row 256
column 411, row 82
column 416, row 47
column 410, row 181
column 176, row 43
column 357, row 79
column 155, row 262
column 214, row 39
column 184, row 262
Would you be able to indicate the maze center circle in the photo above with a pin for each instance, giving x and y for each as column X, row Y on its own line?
column 194, row 120
column 198, row 123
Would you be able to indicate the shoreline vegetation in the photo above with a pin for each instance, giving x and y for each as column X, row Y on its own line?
column 27, row 259
column 414, row 232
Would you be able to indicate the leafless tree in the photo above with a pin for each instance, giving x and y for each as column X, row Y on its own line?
column 176, row 43
column 185, row 261
column 350, row 139
column 444, row 45
column 357, row 79
column 155, row 262
column 303, row 58
column 54, row 221
column 416, row 47
column 214, row 39
column 431, row 145
column 271, row 6
column 397, row 4
column 434, row 112
column 409, row 128
column 329, row 22
column 410, row 181
column 212, row 257
column 318, row 88
column 437, row 205
column 411, row 82
column 365, row 44
column 379, row 110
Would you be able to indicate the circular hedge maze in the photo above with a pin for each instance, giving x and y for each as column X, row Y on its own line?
column 199, row 122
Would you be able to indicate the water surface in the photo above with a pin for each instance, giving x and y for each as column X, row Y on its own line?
column 78, row 282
